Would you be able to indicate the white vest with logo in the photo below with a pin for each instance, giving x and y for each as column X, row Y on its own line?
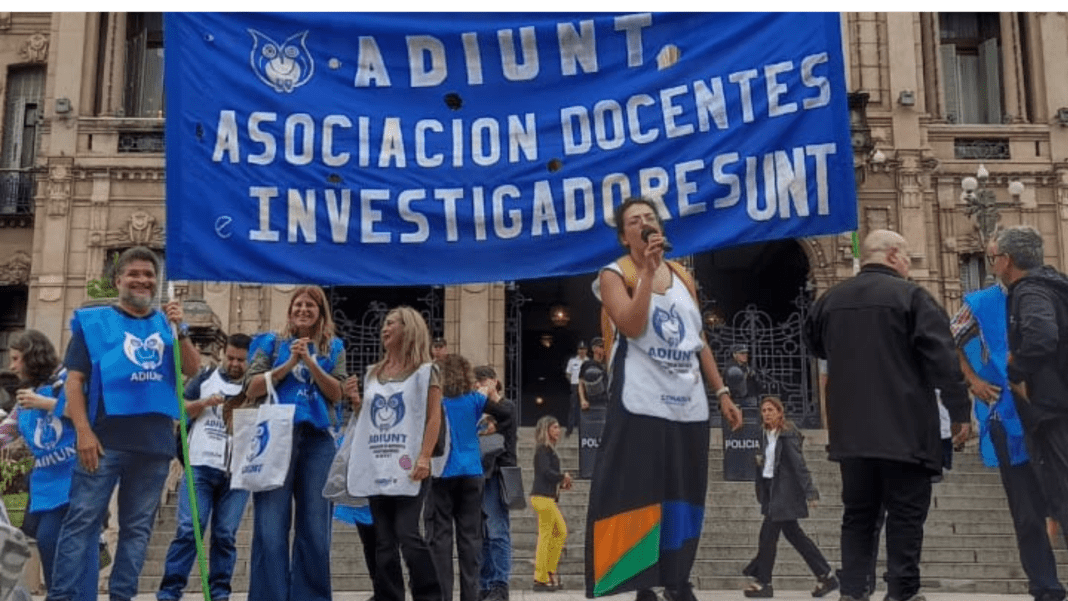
column 389, row 436
column 662, row 368
column 209, row 443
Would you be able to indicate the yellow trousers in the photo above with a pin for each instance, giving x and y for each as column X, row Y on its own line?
column 552, row 531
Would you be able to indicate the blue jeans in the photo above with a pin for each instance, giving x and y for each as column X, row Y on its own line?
column 140, row 478
column 225, row 507
column 48, row 525
column 497, row 539
column 274, row 575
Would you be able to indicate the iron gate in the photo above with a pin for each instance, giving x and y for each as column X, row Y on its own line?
column 513, row 347
column 777, row 351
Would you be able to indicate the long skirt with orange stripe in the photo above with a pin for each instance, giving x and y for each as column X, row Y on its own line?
column 647, row 500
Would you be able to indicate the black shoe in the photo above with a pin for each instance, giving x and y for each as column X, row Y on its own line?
column 646, row 594
column 498, row 593
column 542, row 587
column 863, row 597
column 764, row 592
column 916, row 597
column 681, row 593
column 825, row 585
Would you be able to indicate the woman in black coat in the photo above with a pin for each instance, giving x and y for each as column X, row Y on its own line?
column 785, row 490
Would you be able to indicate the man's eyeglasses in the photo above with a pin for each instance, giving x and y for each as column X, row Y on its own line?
column 990, row 259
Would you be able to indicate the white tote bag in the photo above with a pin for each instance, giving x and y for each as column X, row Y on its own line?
column 262, row 444
column 336, row 488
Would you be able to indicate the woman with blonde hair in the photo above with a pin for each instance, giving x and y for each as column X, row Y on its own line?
column 783, row 486
column 544, row 494
column 393, row 441
column 306, row 364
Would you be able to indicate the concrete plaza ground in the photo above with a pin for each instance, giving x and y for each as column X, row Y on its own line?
column 568, row 595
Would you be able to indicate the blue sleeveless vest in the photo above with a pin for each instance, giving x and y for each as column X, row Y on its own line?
column 52, row 441
column 133, row 362
column 988, row 356
column 298, row 387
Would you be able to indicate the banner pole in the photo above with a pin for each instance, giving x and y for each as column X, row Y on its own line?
column 202, row 562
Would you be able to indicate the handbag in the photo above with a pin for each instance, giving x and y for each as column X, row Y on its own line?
column 512, row 487
column 14, row 553
column 262, row 444
column 336, row 488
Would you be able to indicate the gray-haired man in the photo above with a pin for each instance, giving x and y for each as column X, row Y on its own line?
column 1038, row 356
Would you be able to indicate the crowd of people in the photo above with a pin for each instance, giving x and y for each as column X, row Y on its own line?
column 433, row 438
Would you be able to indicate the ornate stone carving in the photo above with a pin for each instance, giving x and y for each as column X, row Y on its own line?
column 141, row 229
column 35, row 48
column 59, row 189
column 5, row 21
column 1061, row 189
column 877, row 218
column 16, row 270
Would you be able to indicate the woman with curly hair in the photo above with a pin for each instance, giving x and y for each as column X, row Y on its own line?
column 456, row 496
column 50, row 437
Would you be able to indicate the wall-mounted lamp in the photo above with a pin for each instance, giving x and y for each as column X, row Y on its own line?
column 1062, row 116
column 981, row 203
column 907, row 98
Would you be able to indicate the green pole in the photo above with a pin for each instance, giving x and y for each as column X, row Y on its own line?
column 856, row 246
column 202, row 561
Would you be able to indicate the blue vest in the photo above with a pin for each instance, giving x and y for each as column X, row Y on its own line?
column 299, row 388
column 988, row 356
column 133, row 362
column 52, row 441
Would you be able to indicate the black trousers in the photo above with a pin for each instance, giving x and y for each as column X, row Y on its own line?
column 1027, row 504
column 573, row 409
column 396, row 523
column 367, row 540
column 1048, row 446
column 905, row 491
column 762, row 565
column 456, row 500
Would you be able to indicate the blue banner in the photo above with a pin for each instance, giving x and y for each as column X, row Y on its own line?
column 385, row 149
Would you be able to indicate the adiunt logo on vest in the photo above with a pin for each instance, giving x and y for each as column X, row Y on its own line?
column 47, row 432
column 668, row 326
column 146, row 354
column 387, row 413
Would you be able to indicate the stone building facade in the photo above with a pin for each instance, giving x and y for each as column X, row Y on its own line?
column 82, row 166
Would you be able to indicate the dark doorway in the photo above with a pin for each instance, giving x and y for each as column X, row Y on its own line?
column 759, row 295
column 556, row 313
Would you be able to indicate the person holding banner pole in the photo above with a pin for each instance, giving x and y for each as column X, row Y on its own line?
column 306, row 363
column 120, row 393
column 394, row 439
column 652, row 470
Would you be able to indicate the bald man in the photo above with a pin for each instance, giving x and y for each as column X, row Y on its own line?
column 888, row 347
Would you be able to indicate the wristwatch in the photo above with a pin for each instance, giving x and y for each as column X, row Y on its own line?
column 183, row 331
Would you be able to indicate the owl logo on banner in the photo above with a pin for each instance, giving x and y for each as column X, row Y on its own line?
column 387, row 413
column 284, row 67
column 47, row 432
column 260, row 438
column 669, row 326
column 146, row 354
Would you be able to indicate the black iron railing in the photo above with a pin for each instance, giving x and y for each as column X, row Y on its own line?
column 16, row 191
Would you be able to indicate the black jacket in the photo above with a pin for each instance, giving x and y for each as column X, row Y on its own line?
column 547, row 473
column 888, row 346
column 791, row 486
column 1038, row 313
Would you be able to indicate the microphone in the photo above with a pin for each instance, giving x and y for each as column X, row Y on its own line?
column 649, row 232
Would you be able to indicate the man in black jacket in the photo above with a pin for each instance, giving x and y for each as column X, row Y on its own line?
column 1038, row 356
column 888, row 347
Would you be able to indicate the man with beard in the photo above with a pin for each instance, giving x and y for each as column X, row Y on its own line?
column 1038, row 356
column 120, row 396
column 209, row 452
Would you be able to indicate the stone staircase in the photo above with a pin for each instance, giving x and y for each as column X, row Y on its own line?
column 969, row 545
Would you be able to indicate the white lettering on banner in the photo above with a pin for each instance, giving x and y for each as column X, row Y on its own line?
column 684, row 110
column 146, row 376
column 58, row 456
column 428, row 60
column 776, row 184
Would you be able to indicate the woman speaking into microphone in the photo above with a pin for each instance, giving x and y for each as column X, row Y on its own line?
column 652, row 470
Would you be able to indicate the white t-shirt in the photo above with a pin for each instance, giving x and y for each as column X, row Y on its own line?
column 573, row 366
column 209, row 442
column 769, row 452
